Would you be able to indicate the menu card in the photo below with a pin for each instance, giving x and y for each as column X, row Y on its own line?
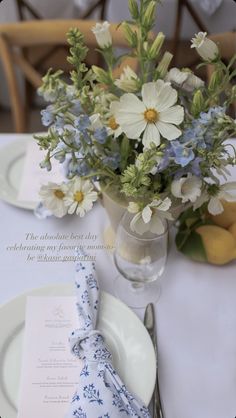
column 50, row 373
column 33, row 177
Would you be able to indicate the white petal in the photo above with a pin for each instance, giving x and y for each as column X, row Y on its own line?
column 134, row 129
column 174, row 114
column 131, row 104
column 166, row 98
column 200, row 200
column 146, row 214
column 157, row 225
column 162, row 205
column 150, row 95
column 137, row 225
column 151, row 134
column 168, row 131
column 215, row 206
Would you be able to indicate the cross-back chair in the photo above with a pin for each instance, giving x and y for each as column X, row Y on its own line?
column 14, row 37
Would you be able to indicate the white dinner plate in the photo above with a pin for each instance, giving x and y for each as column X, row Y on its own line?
column 12, row 158
column 126, row 337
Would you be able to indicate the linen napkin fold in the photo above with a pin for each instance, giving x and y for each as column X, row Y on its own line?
column 101, row 393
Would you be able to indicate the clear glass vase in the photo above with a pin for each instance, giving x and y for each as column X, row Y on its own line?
column 140, row 260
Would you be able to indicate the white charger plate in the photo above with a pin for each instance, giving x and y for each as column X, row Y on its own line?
column 12, row 158
column 126, row 337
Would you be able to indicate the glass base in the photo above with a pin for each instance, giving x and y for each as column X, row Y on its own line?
column 137, row 295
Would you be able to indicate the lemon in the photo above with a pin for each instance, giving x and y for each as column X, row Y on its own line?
column 232, row 230
column 226, row 218
column 219, row 244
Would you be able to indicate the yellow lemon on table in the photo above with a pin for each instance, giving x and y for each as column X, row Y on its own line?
column 232, row 230
column 219, row 244
column 226, row 218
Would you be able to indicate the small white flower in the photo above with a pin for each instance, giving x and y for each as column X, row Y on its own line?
column 102, row 34
column 154, row 116
column 187, row 188
column 128, row 80
column 215, row 206
column 151, row 218
column 80, row 196
column 185, row 79
column 53, row 198
column 193, row 82
column 113, row 127
column 206, row 48
column 176, row 76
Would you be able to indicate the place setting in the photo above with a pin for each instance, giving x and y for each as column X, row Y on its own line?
column 118, row 239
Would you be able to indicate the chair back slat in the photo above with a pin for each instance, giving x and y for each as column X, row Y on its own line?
column 18, row 38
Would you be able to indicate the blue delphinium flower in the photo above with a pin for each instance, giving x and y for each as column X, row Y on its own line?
column 100, row 134
column 60, row 152
column 195, row 166
column 83, row 168
column 112, row 161
column 76, row 108
column 47, row 115
column 182, row 155
column 82, row 123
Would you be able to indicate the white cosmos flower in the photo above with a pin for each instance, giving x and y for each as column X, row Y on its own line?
column 187, row 188
column 128, row 80
column 151, row 218
column 113, row 127
column 80, row 196
column 206, row 48
column 185, row 79
column 155, row 115
column 215, row 206
column 53, row 198
column 102, row 34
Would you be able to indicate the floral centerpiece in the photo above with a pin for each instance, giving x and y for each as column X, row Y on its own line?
column 157, row 135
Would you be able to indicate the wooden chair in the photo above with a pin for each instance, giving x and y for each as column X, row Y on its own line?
column 16, row 36
column 227, row 46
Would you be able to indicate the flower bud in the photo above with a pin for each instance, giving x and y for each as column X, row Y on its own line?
column 206, row 48
column 130, row 36
column 198, row 103
column 156, row 46
column 102, row 34
column 133, row 8
column 101, row 75
column 216, row 79
column 163, row 65
column 149, row 14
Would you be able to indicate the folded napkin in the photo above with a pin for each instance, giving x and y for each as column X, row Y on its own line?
column 101, row 393
column 210, row 6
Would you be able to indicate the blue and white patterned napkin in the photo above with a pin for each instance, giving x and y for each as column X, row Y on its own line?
column 210, row 6
column 101, row 393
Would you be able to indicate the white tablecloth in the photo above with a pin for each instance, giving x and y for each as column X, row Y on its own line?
column 196, row 313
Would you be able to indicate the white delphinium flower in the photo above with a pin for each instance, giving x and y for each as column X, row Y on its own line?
column 53, row 198
column 155, row 115
column 215, row 206
column 80, row 196
column 102, row 34
column 206, row 48
column 128, row 80
column 151, row 218
column 187, row 188
column 185, row 79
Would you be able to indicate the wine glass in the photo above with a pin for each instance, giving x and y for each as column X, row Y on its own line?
column 140, row 260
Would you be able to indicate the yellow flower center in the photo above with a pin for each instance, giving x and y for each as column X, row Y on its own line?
column 113, row 124
column 78, row 197
column 59, row 194
column 151, row 115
